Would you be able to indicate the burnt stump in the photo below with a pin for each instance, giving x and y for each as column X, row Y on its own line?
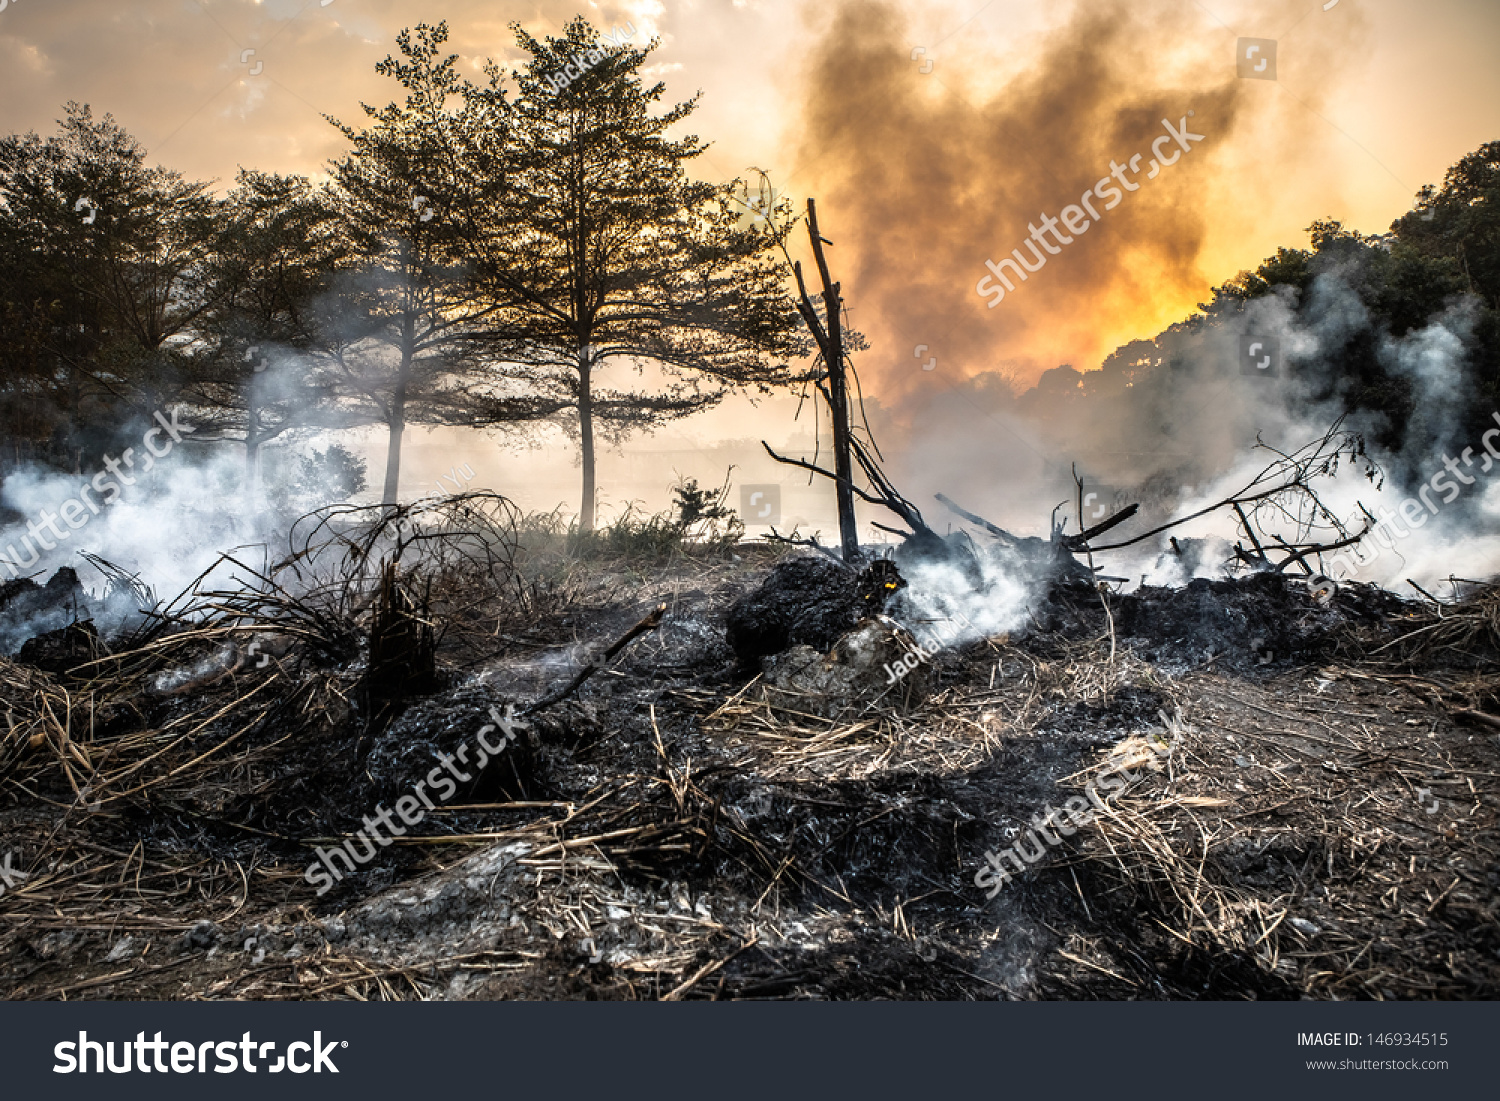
column 807, row 601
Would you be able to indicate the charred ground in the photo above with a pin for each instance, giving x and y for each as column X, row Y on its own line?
column 1324, row 827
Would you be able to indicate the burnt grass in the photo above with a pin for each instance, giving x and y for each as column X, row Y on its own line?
column 665, row 831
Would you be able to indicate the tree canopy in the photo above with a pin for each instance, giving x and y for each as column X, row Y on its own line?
column 482, row 255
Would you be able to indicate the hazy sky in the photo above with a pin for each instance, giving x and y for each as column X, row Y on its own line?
column 920, row 176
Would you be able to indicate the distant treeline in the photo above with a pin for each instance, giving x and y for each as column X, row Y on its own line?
column 1406, row 327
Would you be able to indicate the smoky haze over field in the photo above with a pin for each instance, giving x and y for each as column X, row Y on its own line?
column 1187, row 434
column 921, row 178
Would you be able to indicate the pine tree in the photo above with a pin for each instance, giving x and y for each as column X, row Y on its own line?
column 593, row 245
column 397, row 333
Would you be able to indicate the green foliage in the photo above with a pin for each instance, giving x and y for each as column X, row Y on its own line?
column 1444, row 252
column 702, row 515
column 698, row 523
column 335, row 474
column 1155, row 405
column 479, row 254
column 331, row 476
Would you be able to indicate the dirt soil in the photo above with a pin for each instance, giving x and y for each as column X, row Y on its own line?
column 1314, row 813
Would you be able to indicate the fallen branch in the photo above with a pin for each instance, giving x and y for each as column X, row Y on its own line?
column 773, row 536
column 650, row 623
column 979, row 521
column 1081, row 540
column 1481, row 717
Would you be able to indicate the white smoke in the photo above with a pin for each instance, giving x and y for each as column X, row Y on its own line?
column 164, row 518
column 1183, row 435
column 166, row 527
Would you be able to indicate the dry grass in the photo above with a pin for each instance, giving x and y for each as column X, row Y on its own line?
column 949, row 733
column 1362, row 881
column 1334, row 786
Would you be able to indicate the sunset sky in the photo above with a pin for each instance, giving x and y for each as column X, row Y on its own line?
column 920, row 176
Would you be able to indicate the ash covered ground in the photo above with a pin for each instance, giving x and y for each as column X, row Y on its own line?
column 736, row 806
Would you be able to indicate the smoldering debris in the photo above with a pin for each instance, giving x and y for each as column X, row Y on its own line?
column 62, row 650
column 808, row 600
column 28, row 609
column 877, row 664
column 689, row 823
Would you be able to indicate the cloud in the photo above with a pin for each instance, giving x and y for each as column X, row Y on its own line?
column 921, row 178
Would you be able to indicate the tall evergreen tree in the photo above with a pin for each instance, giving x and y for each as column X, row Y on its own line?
column 595, row 246
column 397, row 333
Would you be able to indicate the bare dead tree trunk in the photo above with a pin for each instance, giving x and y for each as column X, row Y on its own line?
column 838, row 392
column 830, row 338
column 848, row 449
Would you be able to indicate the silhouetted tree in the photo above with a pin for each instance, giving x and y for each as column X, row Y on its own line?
column 593, row 246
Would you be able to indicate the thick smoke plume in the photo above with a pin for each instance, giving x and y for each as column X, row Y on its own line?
column 922, row 178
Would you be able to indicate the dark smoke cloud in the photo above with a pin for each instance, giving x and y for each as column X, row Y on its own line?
column 920, row 179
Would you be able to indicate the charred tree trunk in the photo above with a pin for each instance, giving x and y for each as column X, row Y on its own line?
column 829, row 335
column 403, row 647
column 838, row 394
column 586, row 441
column 847, row 450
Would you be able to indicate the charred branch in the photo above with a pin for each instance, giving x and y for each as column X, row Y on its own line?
column 805, row 465
column 978, row 521
column 795, row 541
column 649, row 623
column 889, row 496
column 1250, row 531
column 1081, row 540
column 1291, row 475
